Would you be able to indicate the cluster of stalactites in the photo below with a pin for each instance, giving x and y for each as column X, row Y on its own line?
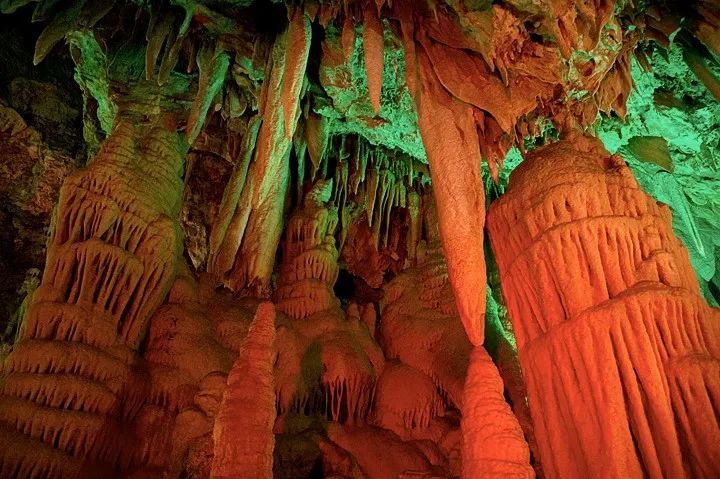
column 371, row 179
column 248, row 230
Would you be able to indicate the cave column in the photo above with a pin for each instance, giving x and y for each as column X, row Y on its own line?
column 619, row 351
column 310, row 258
column 71, row 384
column 494, row 445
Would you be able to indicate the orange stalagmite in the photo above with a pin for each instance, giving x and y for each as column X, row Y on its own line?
column 243, row 433
column 494, row 442
column 619, row 352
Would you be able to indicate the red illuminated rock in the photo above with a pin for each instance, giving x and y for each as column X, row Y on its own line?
column 619, row 352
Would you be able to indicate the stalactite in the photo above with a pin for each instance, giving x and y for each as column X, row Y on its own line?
column 294, row 65
column 243, row 432
column 348, row 36
column 371, row 194
column 317, row 131
column 224, row 237
column 212, row 64
column 458, row 189
column 407, row 27
column 611, row 333
column 454, row 68
column 257, row 224
column 127, row 364
column 702, row 70
column 374, row 48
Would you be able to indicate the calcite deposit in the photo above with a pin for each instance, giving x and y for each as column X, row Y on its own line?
column 247, row 239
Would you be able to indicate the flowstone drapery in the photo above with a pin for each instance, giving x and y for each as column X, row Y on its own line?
column 620, row 354
column 72, row 384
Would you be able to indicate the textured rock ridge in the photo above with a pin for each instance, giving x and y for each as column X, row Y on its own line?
column 619, row 352
column 71, row 382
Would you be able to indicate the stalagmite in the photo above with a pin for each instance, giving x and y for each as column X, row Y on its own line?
column 405, row 399
column 496, row 444
column 191, row 345
column 323, row 358
column 414, row 234
column 380, row 453
column 619, row 352
column 243, row 433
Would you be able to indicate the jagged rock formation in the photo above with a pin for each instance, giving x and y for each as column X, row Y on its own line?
column 325, row 360
column 32, row 175
column 420, row 324
column 604, row 304
column 71, row 382
column 191, row 346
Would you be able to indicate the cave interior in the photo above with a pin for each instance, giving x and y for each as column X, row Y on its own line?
column 359, row 239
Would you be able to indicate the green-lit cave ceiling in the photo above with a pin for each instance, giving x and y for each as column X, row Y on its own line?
column 226, row 145
column 669, row 135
